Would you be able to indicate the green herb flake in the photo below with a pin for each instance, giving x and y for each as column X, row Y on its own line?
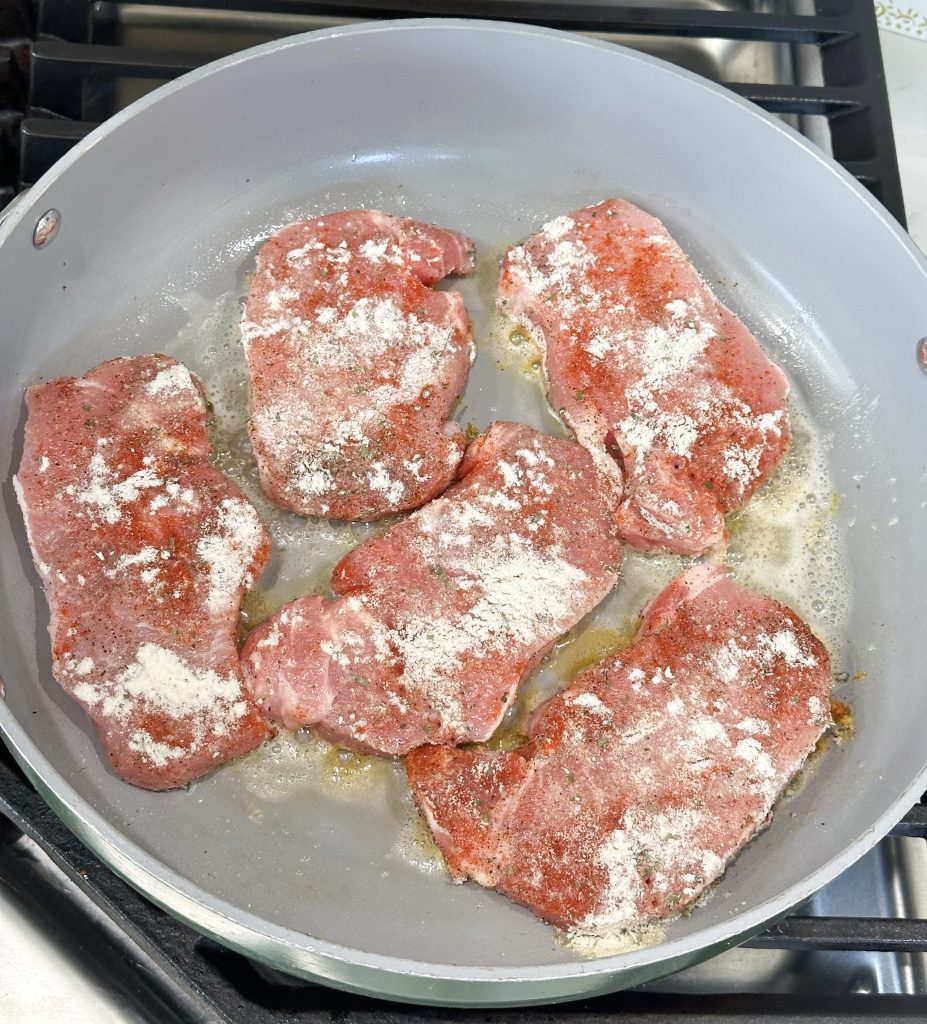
column 671, row 900
column 361, row 681
column 578, row 396
column 441, row 573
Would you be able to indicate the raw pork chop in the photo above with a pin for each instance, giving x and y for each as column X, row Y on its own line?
column 646, row 775
column 144, row 550
column 356, row 362
column 440, row 618
column 646, row 365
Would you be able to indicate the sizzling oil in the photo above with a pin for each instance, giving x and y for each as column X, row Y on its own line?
column 297, row 764
column 579, row 650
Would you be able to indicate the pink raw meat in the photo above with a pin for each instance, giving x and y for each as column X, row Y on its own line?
column 648, row 773
column 356, row 362
column 440, row 618
column 650, row 371
column 144, row 551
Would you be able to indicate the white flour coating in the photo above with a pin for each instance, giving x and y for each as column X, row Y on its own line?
column 558, row 227
column 103, row 493
column 389, row 359
column 561, row 272
column 171, row 381
column 228, row 553
column 358, row 336
column 173, row 494
column 654, row 846
column 159, row 680
column 155, row 752
column 521, row 594
column 146, row 556
column 731, row 660
column 784, row 643
column 382, row 251
column 590, row 702
column 740, row 464
column 380, row 480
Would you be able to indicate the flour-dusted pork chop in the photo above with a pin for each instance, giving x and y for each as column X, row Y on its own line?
column 440, row 618
column 650, row 371
column 356, row 362
column 648, row 773
column 144, row 550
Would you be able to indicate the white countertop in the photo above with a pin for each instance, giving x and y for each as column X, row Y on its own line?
column 906, row 73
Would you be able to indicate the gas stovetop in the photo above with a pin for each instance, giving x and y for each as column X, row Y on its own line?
column 77, row 944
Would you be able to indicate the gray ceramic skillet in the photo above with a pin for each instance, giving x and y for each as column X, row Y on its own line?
column 489, row 129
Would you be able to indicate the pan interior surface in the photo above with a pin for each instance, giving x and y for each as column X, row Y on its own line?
column 490, row 131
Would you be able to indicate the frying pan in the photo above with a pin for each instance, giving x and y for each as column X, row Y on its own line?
column 489, row 129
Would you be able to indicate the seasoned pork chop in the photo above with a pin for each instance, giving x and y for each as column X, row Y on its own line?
column 648, row 773
column 144, row 550
column 650, row 371
column 356, row 362
column 439, row 619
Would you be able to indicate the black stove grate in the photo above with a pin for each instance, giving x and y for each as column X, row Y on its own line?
column 91, row 57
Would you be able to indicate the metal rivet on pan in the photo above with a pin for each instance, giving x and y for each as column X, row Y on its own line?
column 922, row 354
column 46, row 227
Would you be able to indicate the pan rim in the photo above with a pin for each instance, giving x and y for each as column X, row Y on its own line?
column 285, row 946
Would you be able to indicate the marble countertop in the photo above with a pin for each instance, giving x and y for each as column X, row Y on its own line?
column 905, row 58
